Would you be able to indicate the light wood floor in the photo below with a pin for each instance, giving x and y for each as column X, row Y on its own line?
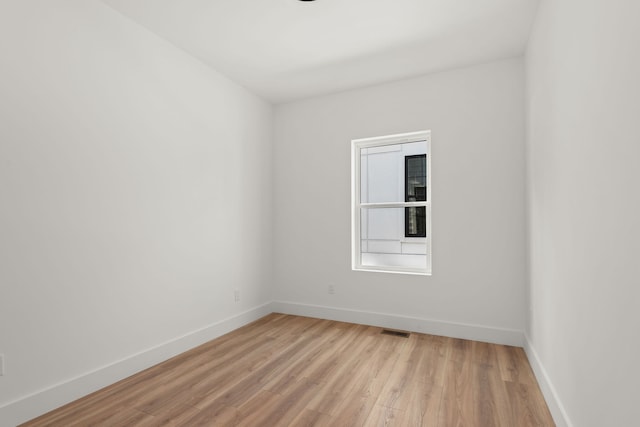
column 295, row 371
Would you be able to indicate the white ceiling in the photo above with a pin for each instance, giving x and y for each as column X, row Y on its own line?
column 288, row 49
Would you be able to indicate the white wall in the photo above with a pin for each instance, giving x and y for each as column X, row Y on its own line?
column 135, row 195
column 583, row 97
column 477, row 121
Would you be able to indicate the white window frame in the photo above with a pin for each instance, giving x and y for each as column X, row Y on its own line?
column 356, row 206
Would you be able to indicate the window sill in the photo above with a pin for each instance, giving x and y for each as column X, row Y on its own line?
column 392, row 271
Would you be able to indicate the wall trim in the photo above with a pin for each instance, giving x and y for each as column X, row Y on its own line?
column 413, row 324
column 45, row 400
column 549, row 392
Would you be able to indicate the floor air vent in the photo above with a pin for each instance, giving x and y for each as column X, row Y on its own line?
column 395, row 333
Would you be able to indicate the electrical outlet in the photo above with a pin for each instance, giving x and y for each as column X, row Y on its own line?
column 331, row 290
column 236, row 295
column 1, row 365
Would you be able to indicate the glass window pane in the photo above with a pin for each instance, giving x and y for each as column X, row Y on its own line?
column 382, row 241
column 381, row 174
column 415, row 222
column 393, row 173
column 416, row 178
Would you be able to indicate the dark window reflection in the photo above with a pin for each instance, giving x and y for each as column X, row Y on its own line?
column 415, row 187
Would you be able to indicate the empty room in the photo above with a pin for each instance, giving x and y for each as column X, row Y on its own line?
column 319, row 213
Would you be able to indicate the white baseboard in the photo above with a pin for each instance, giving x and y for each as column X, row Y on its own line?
column 549, row 392
column 43, row 401
column 413, row 324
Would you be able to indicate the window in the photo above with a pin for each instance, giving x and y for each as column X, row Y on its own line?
column 391, row 203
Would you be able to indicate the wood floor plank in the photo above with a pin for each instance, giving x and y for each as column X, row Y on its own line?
column 219, row 415
column 420, row 404
column 355, row 411
column 331, row 390
column 489, row 393
column 310, row 418
column 173, row 416
column 414, row 382
column 251, row 412
column 456, row 407
column 383, row 416
column 528, row 408
column 295, row 371
column 514, row 365
column 287, row 408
